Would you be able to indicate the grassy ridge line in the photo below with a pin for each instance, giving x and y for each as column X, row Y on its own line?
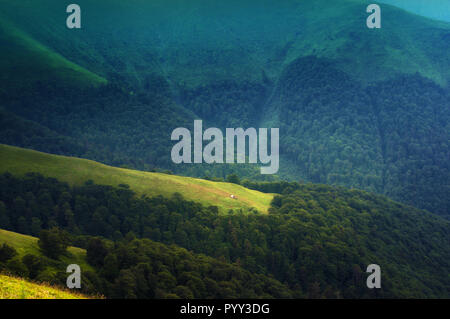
column 76, row 171
column 17, row 288
column 22, row 57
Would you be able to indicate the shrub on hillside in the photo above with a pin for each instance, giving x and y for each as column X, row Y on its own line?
column 53, row 243
column 6, row 253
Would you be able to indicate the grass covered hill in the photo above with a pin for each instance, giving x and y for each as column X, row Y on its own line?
column 76, row 171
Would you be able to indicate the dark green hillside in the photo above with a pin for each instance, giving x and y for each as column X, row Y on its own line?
column 413, row 119
column 330, row 130
column 146, row 269
column 15, row 130
column 113, row 126
column 391, row 137
column 316, row 239
column 140, row 269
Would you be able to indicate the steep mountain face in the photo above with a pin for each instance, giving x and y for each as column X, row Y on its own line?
column 390, row 137
column 355, row 106
column 193, row 42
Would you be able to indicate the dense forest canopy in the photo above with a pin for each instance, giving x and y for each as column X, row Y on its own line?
column 316, row 241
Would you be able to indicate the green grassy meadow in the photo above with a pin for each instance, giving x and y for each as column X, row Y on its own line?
column 75, row 171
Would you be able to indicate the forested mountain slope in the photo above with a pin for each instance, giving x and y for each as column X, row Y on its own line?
column 355, row 106
column 147, row 270
column 316, row 241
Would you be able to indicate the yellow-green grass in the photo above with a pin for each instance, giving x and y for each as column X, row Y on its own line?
column 24, row 245
column 76, row 171
column 18, row 288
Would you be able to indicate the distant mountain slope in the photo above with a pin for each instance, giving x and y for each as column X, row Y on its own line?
column 146, row 38
column 14, row 130
column 78, row 171
column 390, row 138
column 25, row 64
